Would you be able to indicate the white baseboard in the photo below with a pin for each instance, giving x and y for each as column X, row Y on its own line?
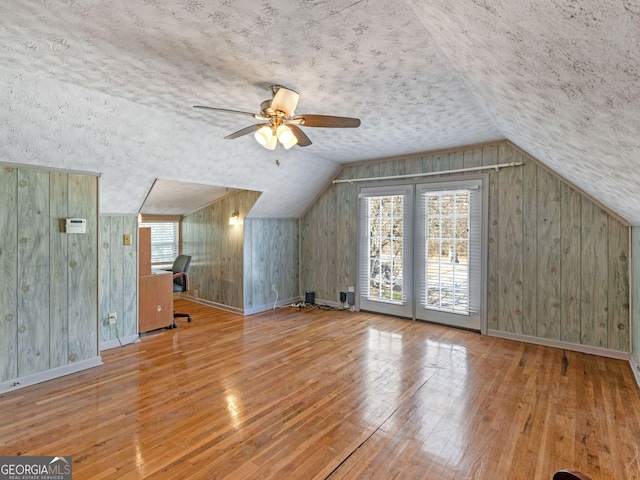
column 269, row 306
column 209, row 303
column 40, row 377
column 106, row 345
column 603, row 352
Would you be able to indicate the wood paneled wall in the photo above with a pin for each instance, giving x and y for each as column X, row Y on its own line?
column 635, row 297
column 118, row 276
column 271, row 257
column 48, row 279
column 558, row 264
column 216, row 248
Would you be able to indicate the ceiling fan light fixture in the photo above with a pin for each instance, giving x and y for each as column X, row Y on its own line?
column 293, row 141
column 284, row 134
column 265, row 137
column 271, row 143
column 282, row 125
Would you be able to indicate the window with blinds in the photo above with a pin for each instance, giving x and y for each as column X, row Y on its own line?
column 385, row 249
column 447, row 250
column 451, row 253
column 385, row 217
column 165, row 241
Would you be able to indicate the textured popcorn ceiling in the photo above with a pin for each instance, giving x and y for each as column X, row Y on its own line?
column 107, row 86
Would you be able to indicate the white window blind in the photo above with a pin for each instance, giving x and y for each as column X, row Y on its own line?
column 384, row 227
column 452, row 256
column 165, row 241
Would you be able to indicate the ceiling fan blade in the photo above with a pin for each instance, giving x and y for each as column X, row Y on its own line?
column 285, row 100
column 225, row 110
column 303, row 140
column 326, row 121
column 245, row 131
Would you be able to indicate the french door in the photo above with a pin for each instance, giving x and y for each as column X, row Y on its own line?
column 386, row 250
column 421, row 252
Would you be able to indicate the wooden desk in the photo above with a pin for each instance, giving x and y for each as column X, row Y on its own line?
column 155, row 289
column 155, row 300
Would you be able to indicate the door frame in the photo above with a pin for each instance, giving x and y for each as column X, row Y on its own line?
column 484, row 179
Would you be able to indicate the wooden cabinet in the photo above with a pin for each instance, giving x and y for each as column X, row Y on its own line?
column 144, row 251
column 155, row 289
column 155, row 308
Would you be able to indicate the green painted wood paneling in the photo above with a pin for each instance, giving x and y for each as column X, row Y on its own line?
column 217, row 249
column 33, row 271
column 595, row 275
column 105, row 292
column 271, row 258
column 571, row 215
column 47, row 279
column 117, row 276
column 58, row 273
column 529, row 248
column 548, row 255
column 128, row 325
column 510, row 265
column 8, row 273
column 490, row 157
column 83, row 270
column 118, row 283
column 618, row 299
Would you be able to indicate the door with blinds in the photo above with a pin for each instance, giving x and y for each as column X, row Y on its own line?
column 421, row 251
column 449, row 258
column 386, row 250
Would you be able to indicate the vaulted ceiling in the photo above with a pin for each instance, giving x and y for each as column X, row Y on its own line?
column 108, row 87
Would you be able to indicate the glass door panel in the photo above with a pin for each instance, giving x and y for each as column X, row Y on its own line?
column 385, row 273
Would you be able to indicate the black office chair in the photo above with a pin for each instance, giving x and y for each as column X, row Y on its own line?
column 180, row 271
column 570, row 475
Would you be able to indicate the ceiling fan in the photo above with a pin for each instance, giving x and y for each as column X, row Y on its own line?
column 281, row 124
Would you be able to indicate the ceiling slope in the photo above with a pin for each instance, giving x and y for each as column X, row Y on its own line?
column 560, row 79
column 108, row 87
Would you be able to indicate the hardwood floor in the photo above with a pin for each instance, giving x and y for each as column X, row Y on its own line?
column 311, row 394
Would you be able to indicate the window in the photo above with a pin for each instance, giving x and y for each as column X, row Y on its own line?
column 447, row 250
column 165, row 241
column 385, row 249
column 384, row 218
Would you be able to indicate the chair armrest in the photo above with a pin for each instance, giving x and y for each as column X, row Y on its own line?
column 186, row 279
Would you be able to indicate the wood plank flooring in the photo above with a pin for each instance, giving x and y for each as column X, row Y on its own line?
column 313, row 394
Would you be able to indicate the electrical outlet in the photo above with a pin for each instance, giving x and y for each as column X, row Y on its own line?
column 352, row 289
column 112, row 318
column 273, row 287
